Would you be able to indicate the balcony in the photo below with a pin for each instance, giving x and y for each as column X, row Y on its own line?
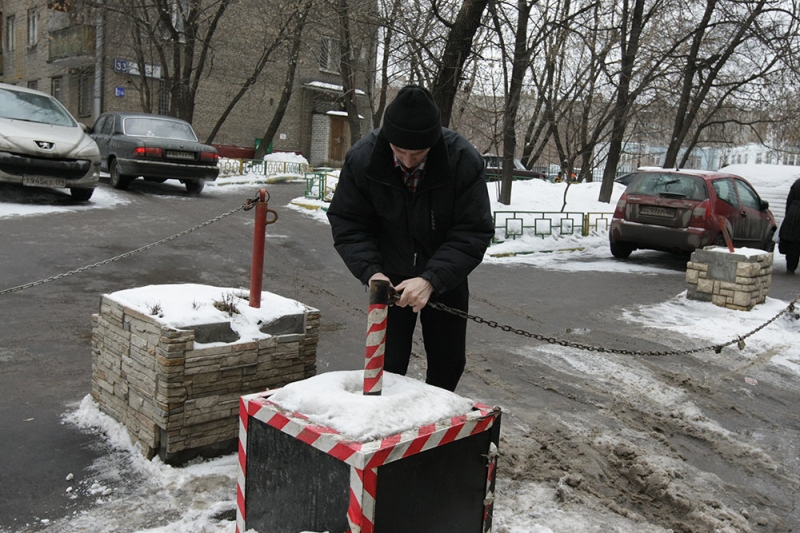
column 73, row 46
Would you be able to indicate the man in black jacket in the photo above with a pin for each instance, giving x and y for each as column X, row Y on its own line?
column 412, row 207
column 789, row 234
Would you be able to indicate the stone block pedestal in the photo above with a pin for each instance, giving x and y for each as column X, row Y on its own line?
column 179, row 398
column 738, row 280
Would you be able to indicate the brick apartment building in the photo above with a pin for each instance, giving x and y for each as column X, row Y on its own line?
column 85, row 58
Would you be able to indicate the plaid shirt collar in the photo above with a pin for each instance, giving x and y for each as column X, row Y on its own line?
column 412, row 176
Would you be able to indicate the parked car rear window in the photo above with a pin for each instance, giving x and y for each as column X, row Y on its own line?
column 20, row 105
column 670, row 185
column 154, row 127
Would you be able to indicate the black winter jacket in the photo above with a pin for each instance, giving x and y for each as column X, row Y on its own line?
column 439, row 233
column 790, row 227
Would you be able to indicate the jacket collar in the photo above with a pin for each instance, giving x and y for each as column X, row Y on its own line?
column 381, row 164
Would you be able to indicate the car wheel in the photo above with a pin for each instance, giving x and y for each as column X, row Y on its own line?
column 195, row 186
column 118, row 181
column 621, row 250
column 81, row 195
column 720, row 240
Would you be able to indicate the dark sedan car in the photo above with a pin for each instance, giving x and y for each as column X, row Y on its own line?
column 680, row 211
column 494, row 169
column 42, row 145
column 155, row 147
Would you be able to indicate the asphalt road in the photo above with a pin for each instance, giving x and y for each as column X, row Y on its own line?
column 45, row 350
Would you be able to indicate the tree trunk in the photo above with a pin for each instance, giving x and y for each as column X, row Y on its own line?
column 348, row 73
column 630, row 48
column 456, row 51
column 286, row 94
column 522, row 55
column 301, row 16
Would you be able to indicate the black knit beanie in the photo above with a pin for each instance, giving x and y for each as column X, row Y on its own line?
column 412, row 120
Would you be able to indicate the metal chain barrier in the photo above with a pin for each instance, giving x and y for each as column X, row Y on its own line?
column 739, row 341
column 249, row 204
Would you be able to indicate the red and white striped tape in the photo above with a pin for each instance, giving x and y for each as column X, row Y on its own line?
column 363, row 458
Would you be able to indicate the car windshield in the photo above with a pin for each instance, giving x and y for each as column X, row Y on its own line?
column 669, row 185
column 19, row 105
column 156, row 127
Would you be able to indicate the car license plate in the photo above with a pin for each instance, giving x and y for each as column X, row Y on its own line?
column 656, row 211
column 38, row 181
column 180, row 155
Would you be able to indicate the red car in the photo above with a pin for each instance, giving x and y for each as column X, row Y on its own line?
column 682, row 210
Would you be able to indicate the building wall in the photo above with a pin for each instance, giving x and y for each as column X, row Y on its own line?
column 238, row 45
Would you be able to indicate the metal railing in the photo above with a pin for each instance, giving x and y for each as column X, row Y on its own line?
column 317, row 184
column 233, row 167
column 513, row 224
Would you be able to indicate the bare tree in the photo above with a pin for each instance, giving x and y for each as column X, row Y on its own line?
column 178, row 36
column 457, row 49
column 634, row 19
column 348, row 68
column 570, row 83
column 295, row 41
column 513, row 85
column 290, row 30
column 715, row 44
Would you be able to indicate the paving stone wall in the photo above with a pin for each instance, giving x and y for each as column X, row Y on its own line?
column 735, row 281
column 178, row 399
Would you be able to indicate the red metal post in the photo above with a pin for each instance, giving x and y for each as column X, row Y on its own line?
column 376, row 336
column 725, row 235
column 259, row 235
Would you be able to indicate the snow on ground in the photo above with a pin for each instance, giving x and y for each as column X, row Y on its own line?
column 200, row 496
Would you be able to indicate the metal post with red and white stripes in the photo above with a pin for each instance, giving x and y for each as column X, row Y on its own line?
column 376, row 336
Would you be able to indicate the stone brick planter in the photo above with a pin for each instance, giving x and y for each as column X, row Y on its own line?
column 179, row 397
column 738, row 280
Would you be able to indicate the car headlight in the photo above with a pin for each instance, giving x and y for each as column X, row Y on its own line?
column 87, row 149
column 5, row 144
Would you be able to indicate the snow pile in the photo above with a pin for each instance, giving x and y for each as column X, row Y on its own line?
column 336, row 400
column 182, row 306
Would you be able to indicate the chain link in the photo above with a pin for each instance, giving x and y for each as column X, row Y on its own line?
column 249, row 204
column 739, row 341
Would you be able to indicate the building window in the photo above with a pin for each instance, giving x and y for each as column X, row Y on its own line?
column 33, row 27
column 163, row 98
column 56, row 88
column 329, row 55
column 33, row 84
column 85, row 86
column 10, row 30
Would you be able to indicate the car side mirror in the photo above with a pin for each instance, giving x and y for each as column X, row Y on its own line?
column 85, row 128
column 764, row 205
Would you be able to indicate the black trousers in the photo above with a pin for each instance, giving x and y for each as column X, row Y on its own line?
column 443, row 334
column 792, row 251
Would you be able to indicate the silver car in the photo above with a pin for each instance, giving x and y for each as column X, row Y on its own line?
column 42, row 145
